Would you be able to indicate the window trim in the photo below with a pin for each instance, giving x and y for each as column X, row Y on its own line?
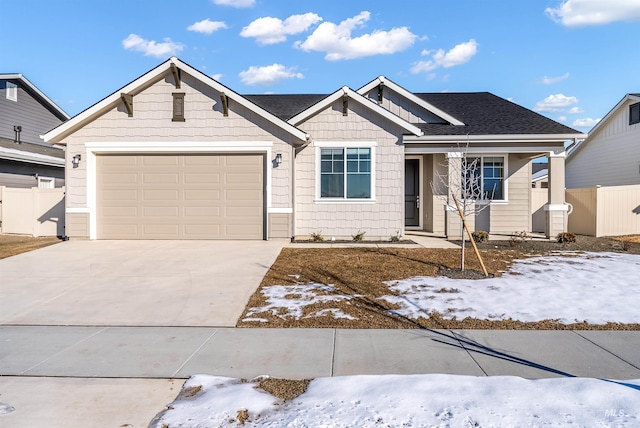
column 505, row 181
column 344, row 145
column 12, row 91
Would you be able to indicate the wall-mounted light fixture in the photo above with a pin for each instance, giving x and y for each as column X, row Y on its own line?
column 278, row 160
column 75, row 160
column 17, row 129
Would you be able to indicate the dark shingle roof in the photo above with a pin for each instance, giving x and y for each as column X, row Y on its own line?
column 285, row 106
column 486, row 114
column 38, row 149
column 482, row 113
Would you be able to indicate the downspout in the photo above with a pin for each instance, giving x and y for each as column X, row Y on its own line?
column 293, row 192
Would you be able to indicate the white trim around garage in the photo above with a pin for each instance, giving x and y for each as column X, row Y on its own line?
column 95, row 148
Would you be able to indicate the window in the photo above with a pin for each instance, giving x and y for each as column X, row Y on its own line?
column 345, row 172
column 12, row 91
column 484, row 176
column 46, row 182
column 634, row 113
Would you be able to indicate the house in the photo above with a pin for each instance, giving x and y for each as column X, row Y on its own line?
column 603, row 174
column 539, row 175
column 25, row 114
column 610, row 155
column 177, row 155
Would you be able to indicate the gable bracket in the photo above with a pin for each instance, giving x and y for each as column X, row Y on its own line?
column 380, row 92
column 176, row 74
column 127, row 99
column 225, row 104
column 345, row 105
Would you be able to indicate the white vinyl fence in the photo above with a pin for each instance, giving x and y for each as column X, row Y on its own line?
column 605, row 211
column 34, row 211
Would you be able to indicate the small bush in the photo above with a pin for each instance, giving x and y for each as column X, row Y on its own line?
column 566, row 237
column 519, row 238
column 358, row 236
column 480, row 236
column 317, row 237
column 396, row 237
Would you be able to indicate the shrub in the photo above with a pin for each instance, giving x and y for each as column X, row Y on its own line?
column 358, row 236
column 480, row 236
column 519, row 238
column 317, row 236
column 566, row 237
column 396, row 237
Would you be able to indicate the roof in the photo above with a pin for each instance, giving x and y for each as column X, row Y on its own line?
column 540, row 175
column 628, row 97
column 486, row 114
column 286, row 106
column 539, row 166
column 36, row 93
column 31, row 153
column 107, row 103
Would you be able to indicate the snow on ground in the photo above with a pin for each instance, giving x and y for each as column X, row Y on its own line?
column 569, row 287
column 412, row 401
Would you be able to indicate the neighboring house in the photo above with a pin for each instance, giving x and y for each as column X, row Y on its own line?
column 26, row 114
column 610, row 155
column 539, row 175
column 177, row 155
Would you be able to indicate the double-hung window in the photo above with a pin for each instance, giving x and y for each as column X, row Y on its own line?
column 484, row 177
column 346, row 172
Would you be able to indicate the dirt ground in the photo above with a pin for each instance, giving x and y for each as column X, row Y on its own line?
column 360, row 273
column 10, row 245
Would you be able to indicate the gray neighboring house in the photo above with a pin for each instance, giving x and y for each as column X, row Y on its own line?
column 175, row 154
column 25, row 114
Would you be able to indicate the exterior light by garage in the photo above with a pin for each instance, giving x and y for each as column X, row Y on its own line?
column 75, row 160
column 278, row 160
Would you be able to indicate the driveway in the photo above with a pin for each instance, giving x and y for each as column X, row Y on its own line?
column 134, row 283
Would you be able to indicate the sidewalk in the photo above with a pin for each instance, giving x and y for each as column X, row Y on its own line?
column 60, row 376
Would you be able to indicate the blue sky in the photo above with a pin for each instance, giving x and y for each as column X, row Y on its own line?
column 571, row 60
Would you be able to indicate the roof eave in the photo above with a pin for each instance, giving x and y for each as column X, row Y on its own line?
column 505, row 138
column 20, row 77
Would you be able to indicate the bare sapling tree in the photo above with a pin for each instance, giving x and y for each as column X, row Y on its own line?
column 465, row 194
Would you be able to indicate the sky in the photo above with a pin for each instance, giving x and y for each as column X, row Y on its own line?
column 570, row 60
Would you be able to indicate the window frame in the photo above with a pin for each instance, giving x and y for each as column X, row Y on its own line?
column 344, row 145
column 505, row 169
column 11, row 91
column 634, row 109
column 46, row 182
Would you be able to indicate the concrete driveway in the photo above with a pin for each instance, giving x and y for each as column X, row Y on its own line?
column 134, row 283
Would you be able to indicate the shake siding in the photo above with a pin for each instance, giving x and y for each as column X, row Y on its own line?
column 343, row 219
column 403, row 108
column 27, row 112
column 204, row 121
column 515, row 216
column 610, row 158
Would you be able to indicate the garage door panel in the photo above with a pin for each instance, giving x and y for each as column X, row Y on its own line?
column 193, row 196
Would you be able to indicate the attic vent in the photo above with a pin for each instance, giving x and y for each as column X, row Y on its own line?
column 12, row 91
column 634, row 113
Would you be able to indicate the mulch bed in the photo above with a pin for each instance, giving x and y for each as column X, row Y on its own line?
column 360, row 272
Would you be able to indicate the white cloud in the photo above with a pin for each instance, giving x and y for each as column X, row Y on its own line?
column 551, row 80
column 575, row 110
column 336, row 40
column 235, row 3
column 152, row 48
column 586, row 123
column 269, row 30
column 268, row 74
column 207, row 26
column 216, row 76
column 555, row 103
column 460, row 54
column 574, row 13
column 562, row 118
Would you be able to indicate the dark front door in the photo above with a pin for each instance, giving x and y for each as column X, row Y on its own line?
column 412, row 192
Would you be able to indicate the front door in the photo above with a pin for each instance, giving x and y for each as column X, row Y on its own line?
column 412, row 192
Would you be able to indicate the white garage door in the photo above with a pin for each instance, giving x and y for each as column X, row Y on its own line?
column 195, row 196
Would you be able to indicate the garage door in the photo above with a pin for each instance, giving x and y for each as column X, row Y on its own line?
column 199, row 196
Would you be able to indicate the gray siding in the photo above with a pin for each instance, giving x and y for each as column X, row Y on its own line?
column 611, row 157
column 22, row 175
column 382, row 218
column 27, row 112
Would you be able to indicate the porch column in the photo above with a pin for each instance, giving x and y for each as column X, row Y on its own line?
column 557, row 208
column 454, row 184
